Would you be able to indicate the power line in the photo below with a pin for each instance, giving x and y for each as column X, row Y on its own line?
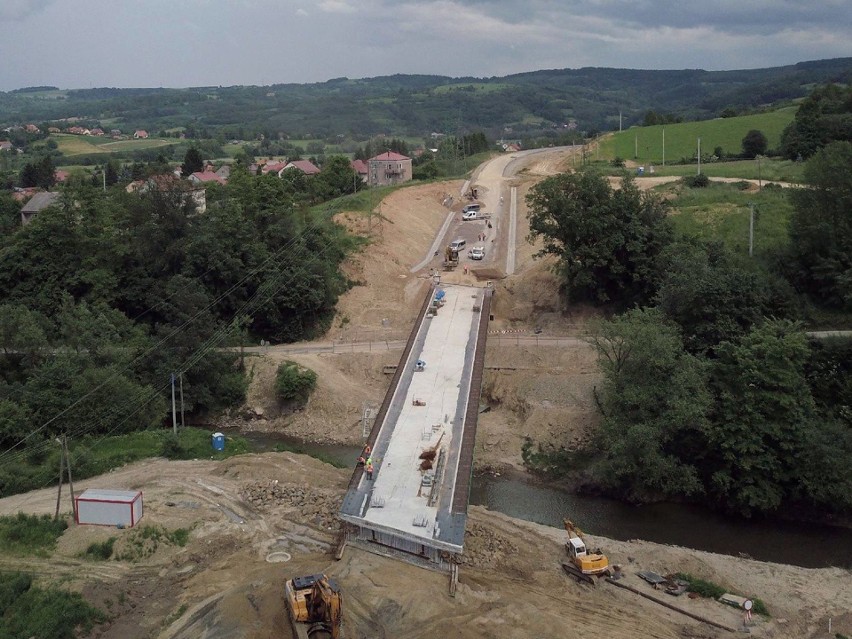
column 315, row 224
column 256, row 300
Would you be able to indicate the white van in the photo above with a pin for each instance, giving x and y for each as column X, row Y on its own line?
column 457, row 245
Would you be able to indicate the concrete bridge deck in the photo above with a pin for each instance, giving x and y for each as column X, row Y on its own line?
column 405, row 508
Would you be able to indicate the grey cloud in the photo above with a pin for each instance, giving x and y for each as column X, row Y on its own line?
column 752, row 16
column 15, row 10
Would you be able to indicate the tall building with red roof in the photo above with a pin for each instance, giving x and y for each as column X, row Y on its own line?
column 389, row 168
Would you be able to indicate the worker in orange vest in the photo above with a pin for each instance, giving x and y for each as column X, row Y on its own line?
column 369, row 468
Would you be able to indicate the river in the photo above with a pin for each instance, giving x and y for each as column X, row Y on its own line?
column 518, row 495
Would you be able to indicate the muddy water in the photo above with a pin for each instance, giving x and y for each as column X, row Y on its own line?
column 808, row 545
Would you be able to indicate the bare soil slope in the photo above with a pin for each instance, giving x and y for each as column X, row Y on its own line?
column 279, row 506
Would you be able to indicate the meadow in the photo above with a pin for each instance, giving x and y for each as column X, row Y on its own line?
column 672, row 143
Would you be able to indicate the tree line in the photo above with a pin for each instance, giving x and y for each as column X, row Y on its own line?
column 712, row 391
column 106, row 294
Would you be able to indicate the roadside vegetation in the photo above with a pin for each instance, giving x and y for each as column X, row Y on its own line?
column 37, row 466
column 24, row 534
column 712, row 391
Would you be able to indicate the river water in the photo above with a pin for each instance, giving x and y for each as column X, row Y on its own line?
column 517, row 495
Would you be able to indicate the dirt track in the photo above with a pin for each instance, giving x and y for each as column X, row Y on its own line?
column 511, row 585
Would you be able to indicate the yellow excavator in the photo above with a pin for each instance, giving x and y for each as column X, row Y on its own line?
column 315, row 606
column 584, row 565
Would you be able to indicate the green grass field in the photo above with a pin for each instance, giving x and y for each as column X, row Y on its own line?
column 645, row 144
column 71, row 145
column 721, row 212
column 769, row 169
column 473, row 87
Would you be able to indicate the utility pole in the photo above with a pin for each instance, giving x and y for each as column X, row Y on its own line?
column 699, row 156
column 751, row 229
column 174, row 409
column 182, row 424
column 759, row 181
column 105, row 178
column 64, row 463
column 70, row 481
column 619, row 121
column 664, row 146
column 61, row 476
column 636, row 146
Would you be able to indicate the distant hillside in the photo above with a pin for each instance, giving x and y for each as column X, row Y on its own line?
column 515, row 106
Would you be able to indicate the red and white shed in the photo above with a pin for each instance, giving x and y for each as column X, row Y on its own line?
column 109, row 507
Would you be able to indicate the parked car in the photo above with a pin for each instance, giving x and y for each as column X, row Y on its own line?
column 457, row 245
column 470, row 215
column 471, row 207
column 477, row 253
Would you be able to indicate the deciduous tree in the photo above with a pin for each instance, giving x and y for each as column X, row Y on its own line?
column 608, row 242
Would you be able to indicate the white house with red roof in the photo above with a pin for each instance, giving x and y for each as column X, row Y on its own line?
column 305, row 166
column 389, row 168
column 141, row 134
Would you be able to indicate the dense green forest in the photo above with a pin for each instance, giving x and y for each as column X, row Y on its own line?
column 107, row 294
column 712, row 390
column 547, row 103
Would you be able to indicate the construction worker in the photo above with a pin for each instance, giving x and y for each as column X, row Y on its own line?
column 369, row 469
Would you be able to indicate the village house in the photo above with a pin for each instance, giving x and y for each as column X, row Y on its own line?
column 203, row 177
column 32, row 128
column 305, row 166
column 141, row 134
column 361, row 169
column 38, row 202
column 170, row 184
column 273, row 167
column 5, row 145
column 389, row 168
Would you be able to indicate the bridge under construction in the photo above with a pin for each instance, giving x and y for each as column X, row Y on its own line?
column 408, row 496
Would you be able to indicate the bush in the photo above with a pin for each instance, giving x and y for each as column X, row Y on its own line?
column 100, row 551
column 29, row 611
column 714, row 591
column 26, row 534
column 173, row 448
column 294, row 383
column 699, row 181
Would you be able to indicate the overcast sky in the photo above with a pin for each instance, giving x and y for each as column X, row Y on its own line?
column 177, row 43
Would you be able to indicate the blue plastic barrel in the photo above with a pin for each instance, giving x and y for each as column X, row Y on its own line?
column 218, row 441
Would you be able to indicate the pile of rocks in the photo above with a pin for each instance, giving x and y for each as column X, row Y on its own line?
column 316, row 507
column 483, row 548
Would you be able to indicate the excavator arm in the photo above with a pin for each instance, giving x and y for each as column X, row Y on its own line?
column 325, row 610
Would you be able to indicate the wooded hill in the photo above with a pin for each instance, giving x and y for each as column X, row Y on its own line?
column 521, row 105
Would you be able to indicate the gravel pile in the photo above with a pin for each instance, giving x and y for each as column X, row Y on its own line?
column 315, row 507
column 483, row 548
